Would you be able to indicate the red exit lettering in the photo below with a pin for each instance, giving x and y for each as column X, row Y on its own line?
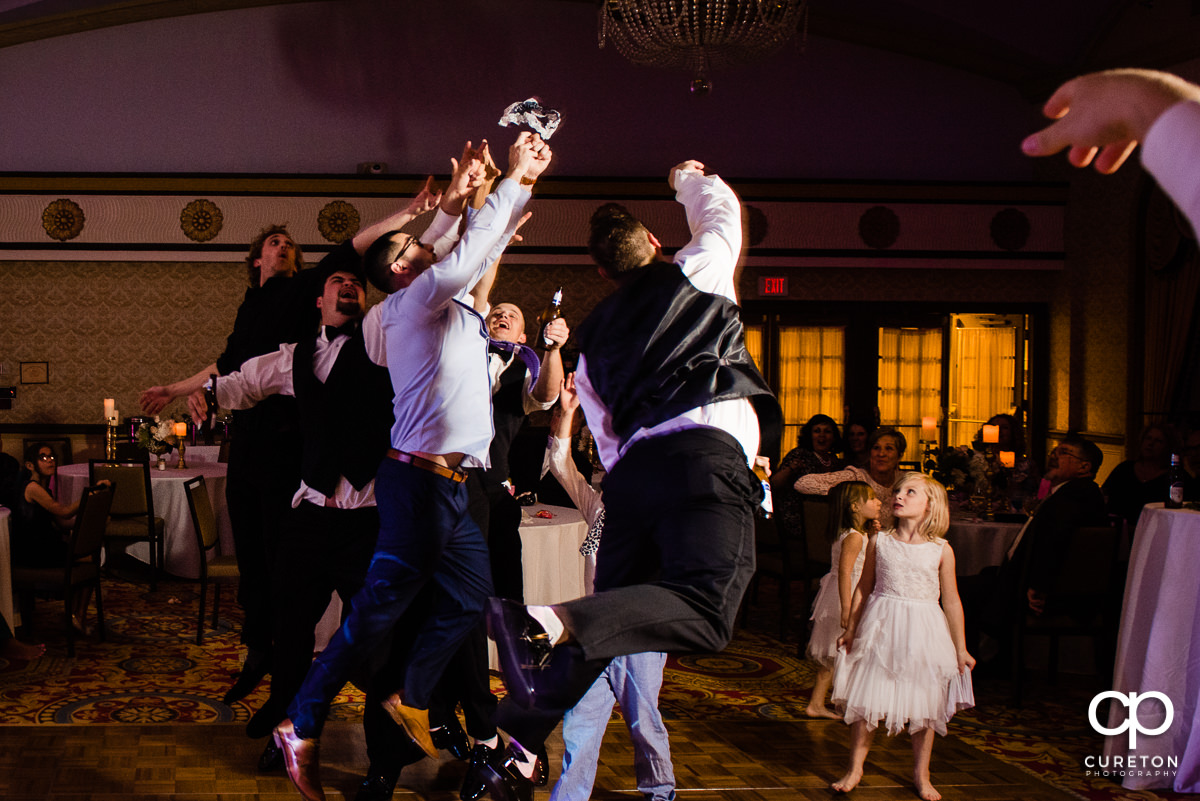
column 772, row 285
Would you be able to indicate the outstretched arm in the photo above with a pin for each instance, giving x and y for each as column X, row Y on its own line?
column 426, row 200
column 1102, row 116
column 155, row 399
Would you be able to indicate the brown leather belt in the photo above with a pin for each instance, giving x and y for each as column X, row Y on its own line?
column 456, row 476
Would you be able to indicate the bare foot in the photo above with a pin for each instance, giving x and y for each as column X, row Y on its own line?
column 15, row 649
column 821, row 711
column 926, row 790
column 848, row 782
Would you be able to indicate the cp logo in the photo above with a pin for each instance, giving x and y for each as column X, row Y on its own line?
column 1132, row 701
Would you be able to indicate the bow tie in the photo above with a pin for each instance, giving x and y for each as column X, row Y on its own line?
column 526, row 355
column 334, row 331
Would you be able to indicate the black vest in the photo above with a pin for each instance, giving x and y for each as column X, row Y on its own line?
column 658, row 347
column 508, row 414
column 346, row 421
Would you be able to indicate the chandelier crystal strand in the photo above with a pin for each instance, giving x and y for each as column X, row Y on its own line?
column 700, row 35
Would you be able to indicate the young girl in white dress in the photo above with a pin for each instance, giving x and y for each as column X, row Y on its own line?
column 904, row 659
column 853, row 516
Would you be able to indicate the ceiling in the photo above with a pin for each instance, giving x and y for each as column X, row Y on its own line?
column 1030, row 44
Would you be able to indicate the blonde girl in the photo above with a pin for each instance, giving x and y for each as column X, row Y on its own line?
column 904, row 658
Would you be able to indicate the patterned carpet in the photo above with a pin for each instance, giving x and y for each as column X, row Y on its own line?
column 150, row 671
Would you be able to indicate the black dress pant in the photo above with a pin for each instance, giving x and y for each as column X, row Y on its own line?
column 675, row 558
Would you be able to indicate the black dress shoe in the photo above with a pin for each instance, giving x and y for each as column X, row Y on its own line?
column 523, row 647
column 507, row 783
column 264, row 721
column 452, row 738
column 254, row 670
column 474, row 785
column 271, row 759
column 375, row 788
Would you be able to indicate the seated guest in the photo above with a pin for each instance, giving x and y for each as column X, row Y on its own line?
column 1142, row 480
column 13, row 649
column 1021, row 482
column 815, row 452
column 858, row 448
column 41, row 523
column 1191, row 465
column 887, row 445
column 1026, row 580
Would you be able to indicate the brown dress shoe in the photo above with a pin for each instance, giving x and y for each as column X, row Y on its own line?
column 414, row 721
column 301, row 758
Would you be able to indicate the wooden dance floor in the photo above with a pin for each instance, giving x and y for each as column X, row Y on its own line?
column 737, row 760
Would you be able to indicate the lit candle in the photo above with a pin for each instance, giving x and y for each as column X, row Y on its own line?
column 110, row 410
column 991, row 434
column 181, row 430
column 1008, row 459
column 928, row 428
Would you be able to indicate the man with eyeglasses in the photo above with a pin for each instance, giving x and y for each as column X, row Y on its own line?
column 435, row 347
column 1025, row 581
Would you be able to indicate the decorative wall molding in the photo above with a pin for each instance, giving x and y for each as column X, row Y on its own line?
column 788, row 224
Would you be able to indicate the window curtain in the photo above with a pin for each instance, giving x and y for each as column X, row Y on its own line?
column 982, row 378
column 910, row 379
column 812, row 375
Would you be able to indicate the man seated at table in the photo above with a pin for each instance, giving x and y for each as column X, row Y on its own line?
column 1025, row 582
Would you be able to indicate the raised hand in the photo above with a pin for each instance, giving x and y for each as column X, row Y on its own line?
column 426, row 200
column 568, row 398
column 691, row 165
column 557, row 333
column 1102, row 116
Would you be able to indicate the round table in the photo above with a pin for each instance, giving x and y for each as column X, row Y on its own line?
column 181, row 556
column 980, row 543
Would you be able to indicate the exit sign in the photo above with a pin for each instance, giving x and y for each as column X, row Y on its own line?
column 772, row 286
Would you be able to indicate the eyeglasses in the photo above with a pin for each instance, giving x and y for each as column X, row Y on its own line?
column 46, row 457
column 1061, row 452
column 411, row 241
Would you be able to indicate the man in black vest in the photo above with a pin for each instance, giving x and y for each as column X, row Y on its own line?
column 328, row 537
column 264, row 454
column 678, row 411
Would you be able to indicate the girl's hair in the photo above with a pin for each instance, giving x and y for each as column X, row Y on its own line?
column 841, row 500
column 936, row 522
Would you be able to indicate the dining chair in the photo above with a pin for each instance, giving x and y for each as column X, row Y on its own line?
column 82, row 568
column 218, row 569
column 132, row 518
column 1086, row 602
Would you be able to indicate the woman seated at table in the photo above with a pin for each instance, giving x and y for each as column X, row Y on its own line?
column 1136, row 482
column 815, row 452
column 857, row 442
column 1023, row 478
column 41, row 522
column 887, row 445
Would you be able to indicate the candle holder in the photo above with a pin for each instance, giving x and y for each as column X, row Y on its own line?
column 993, row 469
column 181, row 465
column 110, row 439
column 929, row 456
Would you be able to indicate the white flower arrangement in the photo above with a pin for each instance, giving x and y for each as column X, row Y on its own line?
column 157, row 437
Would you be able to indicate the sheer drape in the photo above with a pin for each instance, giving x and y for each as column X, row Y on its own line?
column 982, row 378
column 910, row 379
column 812, row 375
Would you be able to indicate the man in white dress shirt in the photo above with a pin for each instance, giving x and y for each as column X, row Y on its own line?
column 675, row 404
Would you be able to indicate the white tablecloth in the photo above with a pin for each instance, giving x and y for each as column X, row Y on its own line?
column 6, row 593
column 170, row 503
column 1159, row 650
column 979, row 543
column 550, row 560
column 201, row 453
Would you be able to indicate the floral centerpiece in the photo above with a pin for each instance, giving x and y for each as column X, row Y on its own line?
column 157, row 437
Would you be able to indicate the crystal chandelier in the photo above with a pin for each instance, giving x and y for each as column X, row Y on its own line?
column 699, row 35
